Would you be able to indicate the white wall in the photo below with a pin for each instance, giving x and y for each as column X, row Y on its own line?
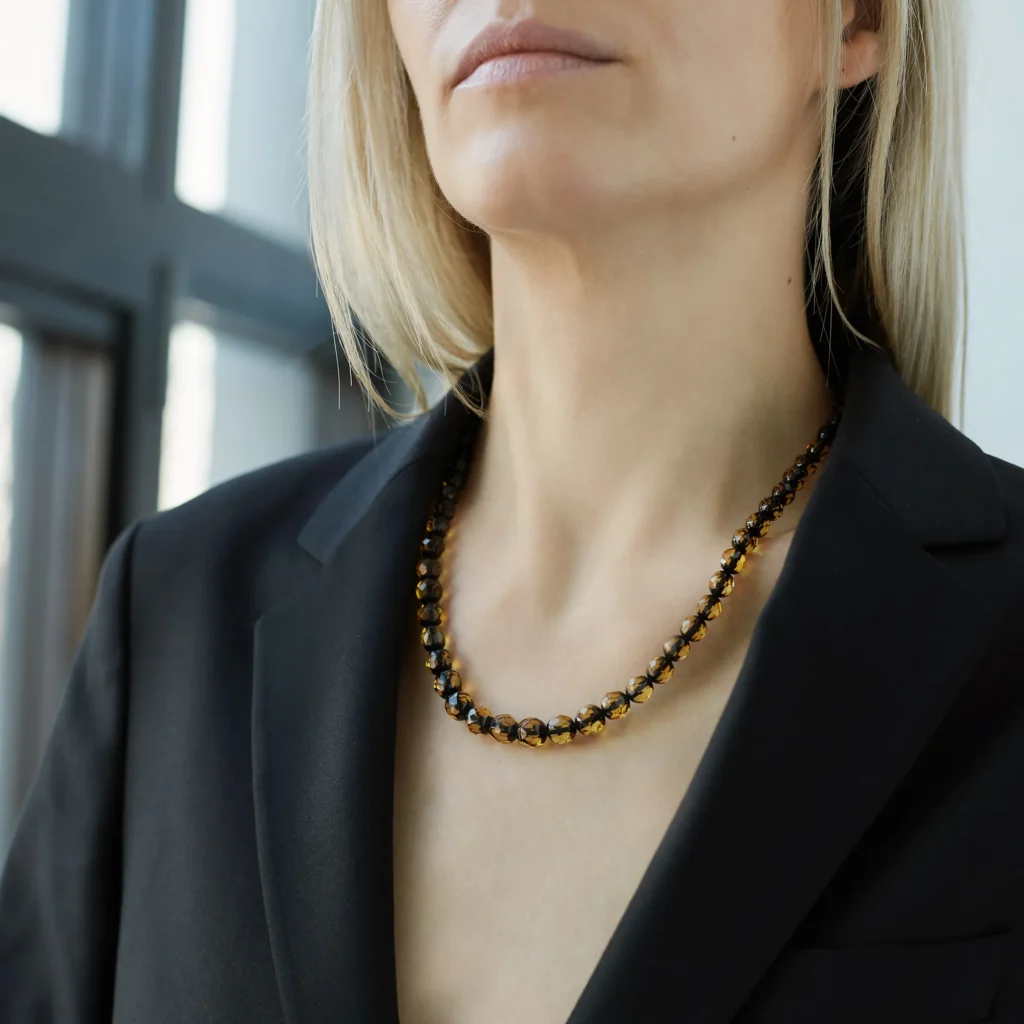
column 994, row 381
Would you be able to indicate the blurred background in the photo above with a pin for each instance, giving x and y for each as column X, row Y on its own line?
column 160, row 324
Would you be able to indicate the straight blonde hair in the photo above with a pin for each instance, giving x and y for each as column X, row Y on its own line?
column 400, row 266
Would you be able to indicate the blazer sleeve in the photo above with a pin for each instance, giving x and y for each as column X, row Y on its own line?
column 61, row 883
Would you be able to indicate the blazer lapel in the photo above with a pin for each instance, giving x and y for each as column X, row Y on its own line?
column 855, row 659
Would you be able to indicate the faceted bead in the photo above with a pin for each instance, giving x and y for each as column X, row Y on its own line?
column 479, row 720
column 659, row 670
column 432, row 546
column 561, row 729
column 590, row 720
column 768, row 509
column 825, row 435
column 722, row 584
column 438, row 525
column 693, row 629
column 504, row 728
column 438, row 661
column 446, row 509
column 615, row 704
column 458, row 704
column 757, row 525
column 743, row 541
column 429, row 590
column 795, row 477
column 429, row 614
column 432, row 638
column 447, row 682
column 733, row 560
column 428, row 567
column 677, row 648
column 709, row 607
column 782, row 495
column 813, row 451
column 449, row 493
column 639, row 689
column 533, row 732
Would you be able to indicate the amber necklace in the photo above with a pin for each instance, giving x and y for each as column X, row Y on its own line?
column 591, row 718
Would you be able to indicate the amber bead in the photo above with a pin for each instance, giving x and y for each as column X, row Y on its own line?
column 639, row 689
column 432, row 638
column 758, row 526
column 561, row 729
column 458, row 704
column 660, row 669
column 432, row 547
column 722, row 584
column 478, row 720
column 438, row 524
column 590, row 720
column 710, row 607
column 447, row 682
column 782, row 495
column 743, row 541
column 795, row 477
column 768, row 509
column 449, row 493
column 533, row 732
column 439, row 660
column 693, row 628
column 429, row 590
column 677, row 648
column 615, row 704
column 428, row 567
column 446, row 509
column 733, row 560
column 429, row 614
column 504, row 728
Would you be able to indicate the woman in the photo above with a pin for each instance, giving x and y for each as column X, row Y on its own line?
column 692, row 273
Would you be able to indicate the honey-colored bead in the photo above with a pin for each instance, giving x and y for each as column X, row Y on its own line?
column 438, row 525
column 710, row 607
column 693, row 629
column 639, row 689
column 429, row 614
column 428, row 568
column 561, row 729
column 743, row 541
column 615, row 704
column 432, row 638
column 429, row 590
column 438, row 661
column 733, row 560
column 782, row 495
column 660, row 669
column 722, row 584
column 458, row 704
column 677, row 648
column 432, row 546
column 590, row 720
column 504, row 728
column 447, row 682
column 478, row 720
column 757, row 526
column 533, row 732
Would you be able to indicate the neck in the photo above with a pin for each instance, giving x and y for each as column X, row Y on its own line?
column 651, row 382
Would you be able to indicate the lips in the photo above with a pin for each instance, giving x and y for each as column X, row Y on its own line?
column 502, row 38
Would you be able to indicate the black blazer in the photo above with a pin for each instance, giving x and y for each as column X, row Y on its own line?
column 210, row 836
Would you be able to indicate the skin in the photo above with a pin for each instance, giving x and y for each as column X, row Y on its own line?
column 654, row 377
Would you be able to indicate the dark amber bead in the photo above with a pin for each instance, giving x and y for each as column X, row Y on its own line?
column 458, row 704
column 438, row 661
column 692, row 629
column 429, row 590
column 533, row 732
column 660, row 669
column 428, row 567
column 813, row 452
column 743, row 541
column 504, row 728
column 733, row 560
column 446, row 509
column 456, row 479
column 590, row 720
column 615, row 704
column 478, row 720
column 768, row 509
column 709, row 607
column 639, row 689
column 677, row 648
column 795, row 477
column 438, row 525
column 449, row 493
column 447, row 682
column 782, row 495
column 758, row 526
column 722, row 584
column 429, row 614
column 432, row 638
column 432, row 547
column 561, row 729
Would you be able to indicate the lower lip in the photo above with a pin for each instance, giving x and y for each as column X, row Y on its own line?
column 520, row 67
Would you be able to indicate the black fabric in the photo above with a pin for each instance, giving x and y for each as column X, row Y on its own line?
column 210, row 835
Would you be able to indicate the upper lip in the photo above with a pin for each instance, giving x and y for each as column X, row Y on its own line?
column 500, row 38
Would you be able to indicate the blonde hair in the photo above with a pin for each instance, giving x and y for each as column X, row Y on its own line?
column 400, row 266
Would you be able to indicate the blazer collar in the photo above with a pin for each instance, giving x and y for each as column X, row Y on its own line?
column 823, row 723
